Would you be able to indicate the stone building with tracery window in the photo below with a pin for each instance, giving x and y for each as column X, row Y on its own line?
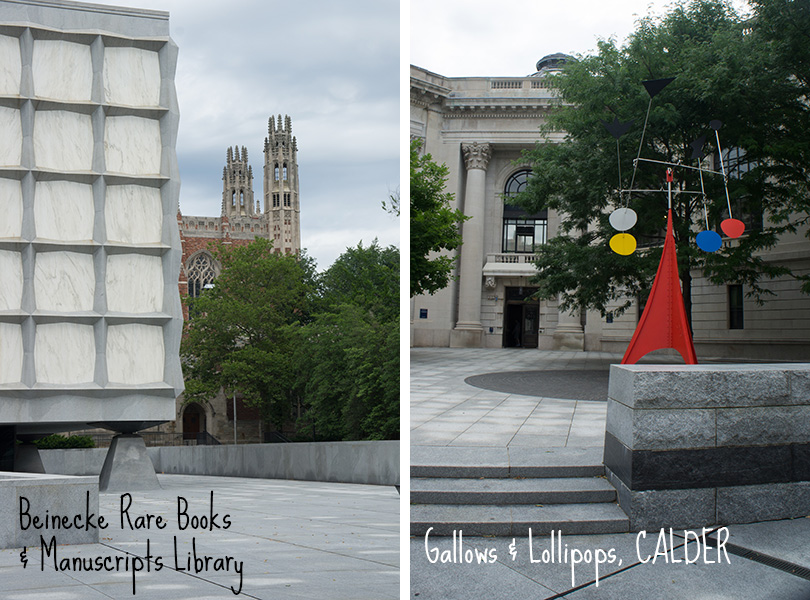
column 242, row 219
column 479, row 127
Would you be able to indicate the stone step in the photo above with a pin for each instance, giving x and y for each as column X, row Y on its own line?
column 516, row 520
column 471, row 462
column 567, row 490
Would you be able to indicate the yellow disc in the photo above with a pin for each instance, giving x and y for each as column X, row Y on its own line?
column 623, row 243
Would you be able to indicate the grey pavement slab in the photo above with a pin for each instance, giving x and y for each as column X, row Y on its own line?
column 529, row 576
column 448, row 411
column 787, row 540
column 292, row 539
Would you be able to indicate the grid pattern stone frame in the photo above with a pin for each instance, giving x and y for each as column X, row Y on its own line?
column 91, row 315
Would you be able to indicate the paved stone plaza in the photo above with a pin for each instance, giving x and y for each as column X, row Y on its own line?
column 470, row 425
column 295, row 540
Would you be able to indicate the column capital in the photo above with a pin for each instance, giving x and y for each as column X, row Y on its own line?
column 476, row 155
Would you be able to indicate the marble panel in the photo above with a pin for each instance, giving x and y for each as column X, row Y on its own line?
column 64, row 211
column 11, row 207
column 11, row 134
column 135, row 354
column 10, row 65
column 62, row 70
column 131, row 77
column 64, row 353
column 132, row 145
column 134, row 214
column 64, row 281
column 11, row 289
column 63, row 140
column 11, row 353
column 134, row 283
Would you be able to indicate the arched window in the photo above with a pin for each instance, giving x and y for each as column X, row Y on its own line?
column 516, row 182
column 521, row 231
column 284, row 174
column 276, row 173
column 201, row 272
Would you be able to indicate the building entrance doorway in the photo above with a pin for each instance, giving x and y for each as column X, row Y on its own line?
column 193, row 421
column 520, row 319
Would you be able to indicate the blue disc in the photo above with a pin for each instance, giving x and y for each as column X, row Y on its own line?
column 709, row 241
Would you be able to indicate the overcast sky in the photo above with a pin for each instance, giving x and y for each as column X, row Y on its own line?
column 333, row 67
column 466, row 38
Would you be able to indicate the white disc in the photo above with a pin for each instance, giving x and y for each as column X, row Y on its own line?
column 622, row 219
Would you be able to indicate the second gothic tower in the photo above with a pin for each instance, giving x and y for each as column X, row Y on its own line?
column 281, row 185
column 237, row 185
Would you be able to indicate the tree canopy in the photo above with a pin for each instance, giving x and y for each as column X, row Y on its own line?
column 434, row 224
column 725, row 69
column 320, row 350
column 239, row 337
column 348, row 355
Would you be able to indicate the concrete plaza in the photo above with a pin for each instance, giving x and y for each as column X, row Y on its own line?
column 289, row 539
column 470, row 424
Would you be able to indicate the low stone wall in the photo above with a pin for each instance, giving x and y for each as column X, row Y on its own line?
column 694, row 445
column 374, row 463
column 25, row 496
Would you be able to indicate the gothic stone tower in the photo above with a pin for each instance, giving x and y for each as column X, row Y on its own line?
column 281, row 186
column 237, row 185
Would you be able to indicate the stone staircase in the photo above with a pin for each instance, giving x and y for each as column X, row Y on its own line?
column 506, row 491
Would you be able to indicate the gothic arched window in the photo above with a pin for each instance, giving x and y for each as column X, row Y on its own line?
column 201, row 272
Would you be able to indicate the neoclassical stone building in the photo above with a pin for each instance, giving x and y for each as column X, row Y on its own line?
column 242, row 219
column 478, row 127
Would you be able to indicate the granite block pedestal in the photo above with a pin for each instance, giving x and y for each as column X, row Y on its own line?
column 696, row 445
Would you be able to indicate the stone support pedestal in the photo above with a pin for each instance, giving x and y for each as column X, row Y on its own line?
column 468, row 331
column 127, row 466
column 27, row 459
column 694, row 445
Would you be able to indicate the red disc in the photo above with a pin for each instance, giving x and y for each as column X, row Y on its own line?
column 733, row 228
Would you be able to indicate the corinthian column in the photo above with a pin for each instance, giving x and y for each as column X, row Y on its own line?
column 476, row 159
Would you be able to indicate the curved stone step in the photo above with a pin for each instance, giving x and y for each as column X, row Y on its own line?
column 566, row 490
column 515, row 520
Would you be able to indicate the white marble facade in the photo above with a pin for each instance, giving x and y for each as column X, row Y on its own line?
column 134, row 283
column 135, row 354
column 133, row 214
column 132, row 145
column 131, row 77
column 10, row 65
column 64, row 281
column 11, row 290
column 64, row 211
column 64, row 353
column 11, row 353
column 63, row 140
column 11, row 207
column 11, row 134
column 62, row 70
column 88, row 122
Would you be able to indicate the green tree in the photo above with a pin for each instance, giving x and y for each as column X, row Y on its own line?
column 722, row 71
column 434, row 224
column 241, row 336
column 348, row 355
column 365, row 277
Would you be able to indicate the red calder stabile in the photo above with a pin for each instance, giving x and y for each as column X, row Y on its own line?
column 663, row 323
